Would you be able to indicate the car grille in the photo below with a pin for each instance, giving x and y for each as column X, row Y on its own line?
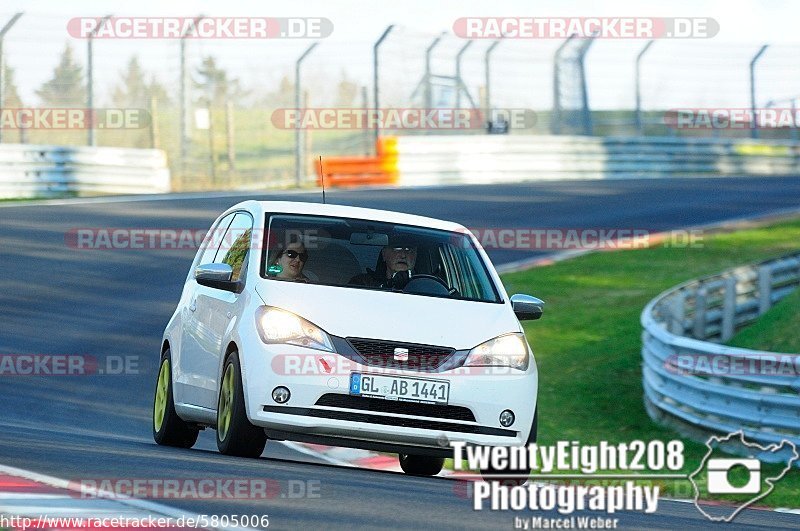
column 422, row 358
column 396, row 407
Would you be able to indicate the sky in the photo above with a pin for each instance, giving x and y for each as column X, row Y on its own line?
column 701, row 72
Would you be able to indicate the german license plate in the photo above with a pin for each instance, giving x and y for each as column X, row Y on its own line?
column 400, row 388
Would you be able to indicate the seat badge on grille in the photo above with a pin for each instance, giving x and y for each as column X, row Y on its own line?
column 401, row 354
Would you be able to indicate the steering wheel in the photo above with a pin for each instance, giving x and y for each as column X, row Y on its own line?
column 427, row 285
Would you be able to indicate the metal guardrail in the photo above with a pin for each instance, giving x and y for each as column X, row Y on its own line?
column 509, row 158
column 51, row 171
column 701, row 387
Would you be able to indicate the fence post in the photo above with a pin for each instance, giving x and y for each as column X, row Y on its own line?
column 488, row 80
column 587, row 114
column 91, row 140
column 764, row 288
column 2, row 64
column 184, row 95
column 555, row 118
column 756, row 57
column 376, row 77
column 459, row 82
column 700, row 313
column 638, row 74
column 299, row 138
column 428, row 88
column 366, row 134
column 230, row 135
column 212, row 152
column 153, row 127
column 728, row 310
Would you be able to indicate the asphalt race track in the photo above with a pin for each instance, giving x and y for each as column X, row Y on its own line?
column 60, row 300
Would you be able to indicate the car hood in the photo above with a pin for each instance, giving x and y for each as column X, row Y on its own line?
column 353, row 312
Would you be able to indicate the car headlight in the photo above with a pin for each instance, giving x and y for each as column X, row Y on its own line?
column 510, row 350
column 278, row 326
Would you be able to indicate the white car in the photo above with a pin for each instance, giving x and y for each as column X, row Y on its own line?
column 349, row 327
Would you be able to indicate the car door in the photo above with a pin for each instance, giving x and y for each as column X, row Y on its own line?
column 216, row 310
column 188, row 379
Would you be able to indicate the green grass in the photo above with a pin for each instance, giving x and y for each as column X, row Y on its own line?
column 588, row 345
column 778, row 330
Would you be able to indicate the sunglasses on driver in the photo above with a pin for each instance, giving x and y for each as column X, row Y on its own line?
column 292, row 254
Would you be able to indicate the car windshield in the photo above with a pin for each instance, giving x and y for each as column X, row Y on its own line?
column 365, row 254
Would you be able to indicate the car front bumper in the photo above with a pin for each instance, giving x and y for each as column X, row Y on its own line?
column 354, row 421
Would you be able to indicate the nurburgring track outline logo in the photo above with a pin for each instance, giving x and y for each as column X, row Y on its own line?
column 771, row 481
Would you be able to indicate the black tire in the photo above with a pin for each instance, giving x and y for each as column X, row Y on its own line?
column 421, row 465
column 172, row 430
column 534, row 434
column 241, row 438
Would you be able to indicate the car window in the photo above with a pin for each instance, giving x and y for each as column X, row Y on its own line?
column 236, row 244
column 349, row 253
column 213, row 240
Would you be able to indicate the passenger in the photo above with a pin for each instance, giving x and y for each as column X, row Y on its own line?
column 287, row 262
column 394, row 269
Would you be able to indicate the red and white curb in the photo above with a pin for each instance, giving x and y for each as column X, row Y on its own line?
column 42, row 498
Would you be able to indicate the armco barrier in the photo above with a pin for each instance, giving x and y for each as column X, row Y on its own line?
column 50, row 171
column 429, row 159
column 700, row 387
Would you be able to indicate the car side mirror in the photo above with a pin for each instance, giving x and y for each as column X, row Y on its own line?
column 526, row 308
column 217, row 276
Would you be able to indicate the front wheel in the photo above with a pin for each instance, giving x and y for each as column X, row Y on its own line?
column 235, row 435
column 168, row 428
column 421, row 465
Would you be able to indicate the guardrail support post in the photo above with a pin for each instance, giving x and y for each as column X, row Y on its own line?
column 728, row 310
column 678, row 314
column 700, row 313
column 2, row 64
column 764, row 289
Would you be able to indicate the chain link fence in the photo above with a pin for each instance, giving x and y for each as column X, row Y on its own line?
column 211, row 103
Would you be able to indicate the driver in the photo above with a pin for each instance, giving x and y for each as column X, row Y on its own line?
column 399, row 258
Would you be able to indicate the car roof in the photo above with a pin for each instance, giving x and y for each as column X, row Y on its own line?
column 298, row 207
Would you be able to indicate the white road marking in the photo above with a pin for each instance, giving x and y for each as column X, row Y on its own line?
column 102, row 495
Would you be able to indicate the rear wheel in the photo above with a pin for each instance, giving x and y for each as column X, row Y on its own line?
column 168, row 428
column 235, row 435
column 421, row 465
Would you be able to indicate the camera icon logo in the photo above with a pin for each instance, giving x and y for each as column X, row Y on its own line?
column 740, row 478
column 719, row 481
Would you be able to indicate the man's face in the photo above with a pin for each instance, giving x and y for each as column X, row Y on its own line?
column 399, row 258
